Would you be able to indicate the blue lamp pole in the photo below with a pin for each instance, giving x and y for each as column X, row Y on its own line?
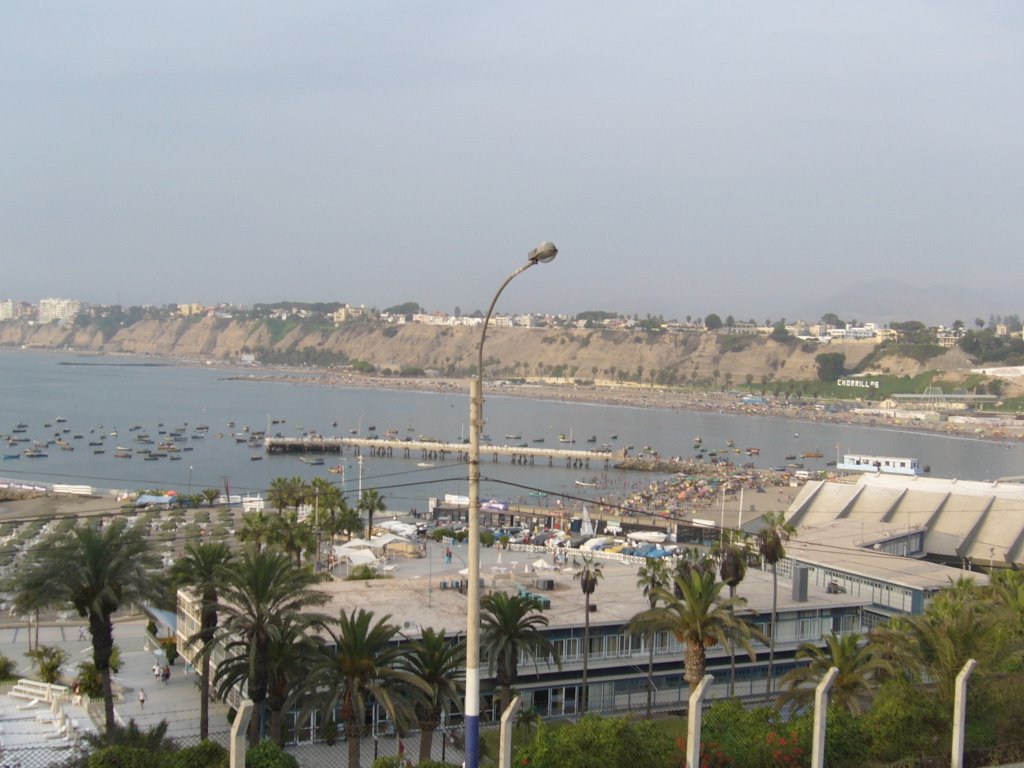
column 542, row 254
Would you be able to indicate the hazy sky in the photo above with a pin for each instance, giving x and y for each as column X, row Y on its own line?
column 685, row 157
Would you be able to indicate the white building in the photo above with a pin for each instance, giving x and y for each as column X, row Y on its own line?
column 61, row 310
column 7, row 309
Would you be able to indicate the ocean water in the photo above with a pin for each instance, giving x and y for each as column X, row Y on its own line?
column 98, row 395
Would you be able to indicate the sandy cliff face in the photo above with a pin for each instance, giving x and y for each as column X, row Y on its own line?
column 584, row 354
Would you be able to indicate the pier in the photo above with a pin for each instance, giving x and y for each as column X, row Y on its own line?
column 437, row 451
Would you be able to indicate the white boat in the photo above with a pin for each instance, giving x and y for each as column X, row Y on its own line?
column 647, row 537
column 889, row 465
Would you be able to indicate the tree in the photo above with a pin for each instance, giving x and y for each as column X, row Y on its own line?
column 210, row 495
column 48, row 659
column 255, row 527
column 859, row 666
column 732, row 568
column 831, row 365
column 652, row 577
column 370, row 502
column 291, row 535
column 98, row 570
column 779, row 332
column 712, row 322
column 588, row 575
column 698, row 618
column 202, row 570
column 510, row 625
column 440, row 663
column 770, row 540
column 360, row 662
column 262, row 590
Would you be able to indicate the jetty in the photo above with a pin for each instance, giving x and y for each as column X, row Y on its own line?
column 431, row 450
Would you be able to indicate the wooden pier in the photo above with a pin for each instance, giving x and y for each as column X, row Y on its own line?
column 438, row 451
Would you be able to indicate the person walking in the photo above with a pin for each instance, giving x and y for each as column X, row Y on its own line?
column 142, row 698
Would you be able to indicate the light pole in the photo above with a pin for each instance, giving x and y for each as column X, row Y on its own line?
column 542, row 254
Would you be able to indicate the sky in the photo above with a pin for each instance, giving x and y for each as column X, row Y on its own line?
column 685, row 157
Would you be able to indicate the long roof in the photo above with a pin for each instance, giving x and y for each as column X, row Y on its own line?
column 982, row 522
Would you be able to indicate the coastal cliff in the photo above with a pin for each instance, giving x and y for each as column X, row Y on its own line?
column 522, row 352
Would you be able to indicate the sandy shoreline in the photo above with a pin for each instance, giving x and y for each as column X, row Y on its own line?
column 641, row 397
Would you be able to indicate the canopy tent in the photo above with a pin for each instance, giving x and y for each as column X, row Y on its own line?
column 360, row 556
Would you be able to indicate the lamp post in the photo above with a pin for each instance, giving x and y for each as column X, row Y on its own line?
column 542, row 254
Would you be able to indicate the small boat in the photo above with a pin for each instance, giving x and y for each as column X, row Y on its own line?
column 513, row 437
column 753, row 451
column 151, row 457
column 586, row 484
column 613, row 437
column 425, row 464
column 35, row 453
column 811, row 455
column 337, row 469
column 122, row 455
column 538, row 439
column 789, row 456
column 592, row 439
column 60, row 419
column 255, row 458
column 11, row 456
column 98, row 450
column 315, row 461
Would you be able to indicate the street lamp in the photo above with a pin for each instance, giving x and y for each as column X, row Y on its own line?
column 542, row 254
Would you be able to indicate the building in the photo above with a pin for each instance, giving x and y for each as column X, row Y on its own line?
column 426, row 593
column 60, row 310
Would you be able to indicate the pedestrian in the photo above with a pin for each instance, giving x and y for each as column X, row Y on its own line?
column 142, row 698
column 81, row 633
column 166, row 675
column 156, row 672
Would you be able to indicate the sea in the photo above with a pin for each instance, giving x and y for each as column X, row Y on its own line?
column 87, row 399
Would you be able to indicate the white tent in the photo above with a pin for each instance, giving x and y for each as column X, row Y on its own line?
column 360, row 556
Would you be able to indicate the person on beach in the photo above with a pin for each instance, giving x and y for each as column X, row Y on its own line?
column 142, row 698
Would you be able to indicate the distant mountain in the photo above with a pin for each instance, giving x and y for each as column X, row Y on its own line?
column 884, row 300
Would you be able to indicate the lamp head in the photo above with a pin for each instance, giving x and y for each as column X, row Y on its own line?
column 543, row 253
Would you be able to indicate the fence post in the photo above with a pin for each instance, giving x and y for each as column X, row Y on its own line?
column 505, row 750
column 960, row 713
column 238, row 732
column 693, row 720
column 821, row 717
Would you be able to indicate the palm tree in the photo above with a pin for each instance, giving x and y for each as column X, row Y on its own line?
column 369, row 503
column 651, row 578
column 440, row 664
column 210, row 495
column 732, row 568
column 280, row 493
column 262, row 590
column 698, row 619
column 98, row 570
column 347, row 521
column 770, row 539
column 291, row 535
column 359, row 663
column 859, row 667
column 588, row 577
column 510, row 625
column 255, row 526
column 203, row 569
column 290, row 652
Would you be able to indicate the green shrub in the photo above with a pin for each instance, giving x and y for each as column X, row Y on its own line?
column 267, row 754
column 121, row 756
column 594, row 740
column 8, row 669
column 206, row 754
